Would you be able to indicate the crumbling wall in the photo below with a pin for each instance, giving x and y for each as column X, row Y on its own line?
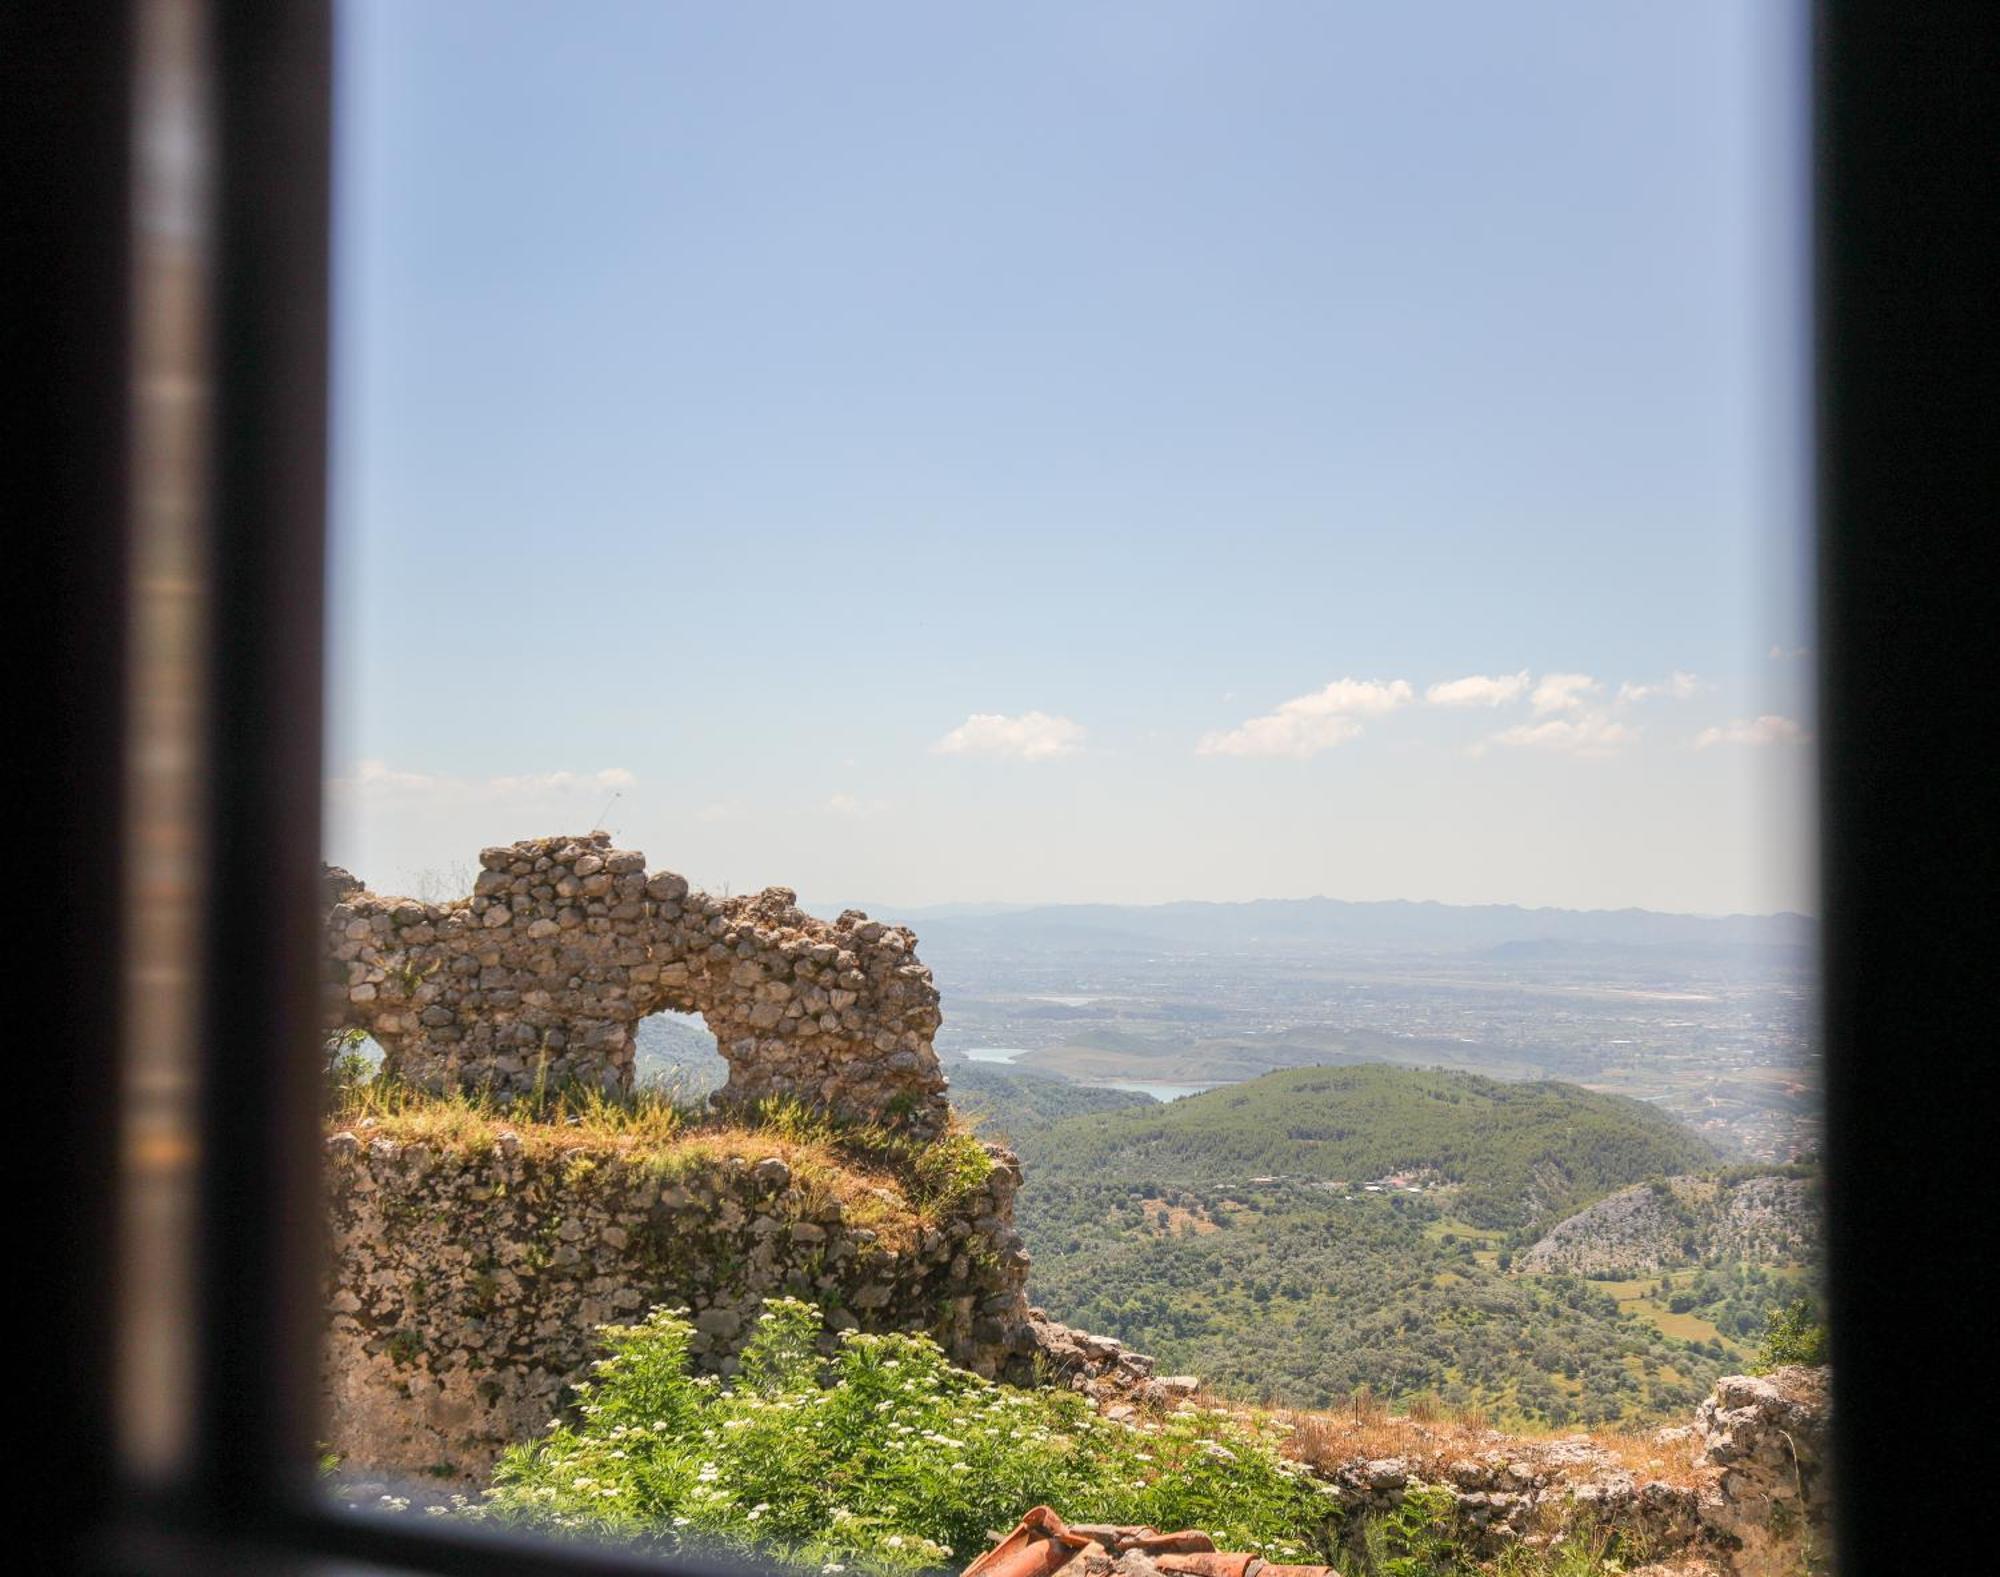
column 1765, row 1441
column 1751, row 1498
column 466, row 1283
column 540, row 975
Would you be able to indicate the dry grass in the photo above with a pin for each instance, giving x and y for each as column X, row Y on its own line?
column 1162, row 1220
column 1433, row 1437
column 385, row 1109
column 859, row 1169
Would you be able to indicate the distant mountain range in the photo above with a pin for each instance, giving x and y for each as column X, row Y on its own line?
column 1332, row 923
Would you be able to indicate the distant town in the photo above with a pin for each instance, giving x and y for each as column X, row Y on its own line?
column 1718, row 1031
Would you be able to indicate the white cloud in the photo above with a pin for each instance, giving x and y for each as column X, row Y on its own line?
column 851, row 806
column 1677, row 686
column 1033, row 736
column 1308, row 724
column 1479, row 690
column 1590, row 734
column 1563, row 692
column 1769, row 729
column 378, row 778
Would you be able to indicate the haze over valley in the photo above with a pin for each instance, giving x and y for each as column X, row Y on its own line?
column 1710, row 1018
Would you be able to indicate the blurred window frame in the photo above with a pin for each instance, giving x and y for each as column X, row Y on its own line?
column 1903, row 114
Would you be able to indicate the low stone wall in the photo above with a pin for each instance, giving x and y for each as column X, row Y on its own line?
column 1753, row 1499
column 465, row 1286
column 1767, row 1497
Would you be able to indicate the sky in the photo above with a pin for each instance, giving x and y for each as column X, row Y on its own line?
column 1077, row 452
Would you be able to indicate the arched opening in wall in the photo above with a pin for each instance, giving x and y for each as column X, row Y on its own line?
column 353, row 1058
column 677, row 1053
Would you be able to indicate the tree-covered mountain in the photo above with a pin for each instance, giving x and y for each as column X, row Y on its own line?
column 1004, row 1102
column 1514, row 1155
column 1319, row 1231
column 1286, row 1292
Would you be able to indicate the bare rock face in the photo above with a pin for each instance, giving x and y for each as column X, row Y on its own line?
column 1769, row 1502
column 566, row 943
column 1651, row 1226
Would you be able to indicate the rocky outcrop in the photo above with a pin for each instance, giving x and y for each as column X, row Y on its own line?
column 1652, row 1226
column 539, row 976
column 1504, row 1491
column 1103, row 1368
column 1767, row 1496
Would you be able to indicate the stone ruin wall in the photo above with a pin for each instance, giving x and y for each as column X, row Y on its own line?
column 466, row 1285
column 566, row 943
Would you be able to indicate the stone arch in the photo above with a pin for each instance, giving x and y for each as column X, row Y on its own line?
column 540, row 975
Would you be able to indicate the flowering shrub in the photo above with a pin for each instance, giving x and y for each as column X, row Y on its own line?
column 883, row 1458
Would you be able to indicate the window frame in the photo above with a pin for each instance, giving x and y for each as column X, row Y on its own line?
column 1902, row 115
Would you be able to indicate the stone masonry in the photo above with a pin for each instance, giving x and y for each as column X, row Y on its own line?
column 466, row 1283
column 540, row 975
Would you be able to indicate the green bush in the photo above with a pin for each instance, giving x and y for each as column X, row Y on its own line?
column 1415, row 1538
column 883, row 1458
column 1792, row 1335
column 1421, row 1536
column 345, row 1067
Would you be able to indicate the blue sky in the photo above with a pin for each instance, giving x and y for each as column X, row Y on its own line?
column 928, row 453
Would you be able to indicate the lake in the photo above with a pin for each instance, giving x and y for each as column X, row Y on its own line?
column 1159, row 1092
column 994, row 1053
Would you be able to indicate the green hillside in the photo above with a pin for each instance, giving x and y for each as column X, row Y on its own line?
column 1284, row 1292
column 1235, row 1235
column 1514, row 1155
column 1005, row 1102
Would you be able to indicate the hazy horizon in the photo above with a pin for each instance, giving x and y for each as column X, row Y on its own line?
column 436, row 884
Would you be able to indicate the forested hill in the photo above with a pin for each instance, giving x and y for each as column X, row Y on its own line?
column 1005, row 1103
column 1520, row 1154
